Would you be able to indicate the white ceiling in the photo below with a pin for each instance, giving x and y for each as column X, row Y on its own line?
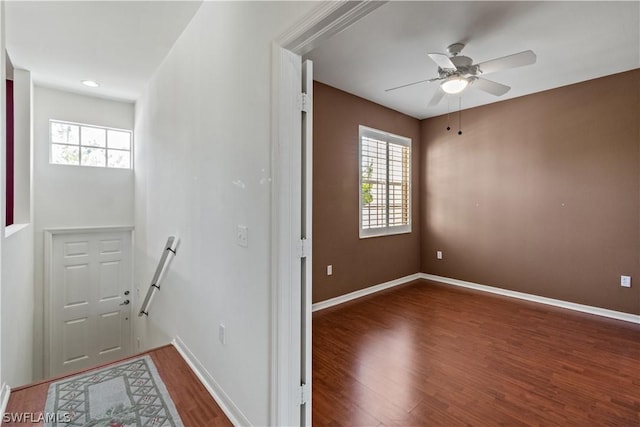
column 574, row 42
column 117, row 43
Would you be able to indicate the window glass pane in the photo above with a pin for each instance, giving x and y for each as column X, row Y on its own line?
column 64, row 133
column 93, row 156
column 65, row 154
column 94, row 137
column 119, row 159
column 119, row 140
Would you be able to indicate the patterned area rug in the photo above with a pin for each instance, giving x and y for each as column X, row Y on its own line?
column 130, row 393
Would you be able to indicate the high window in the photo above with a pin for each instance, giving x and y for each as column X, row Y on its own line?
column 88, row 145
column 385, row 183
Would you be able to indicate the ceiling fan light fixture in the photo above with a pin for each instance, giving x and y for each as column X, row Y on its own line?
column 454, row 84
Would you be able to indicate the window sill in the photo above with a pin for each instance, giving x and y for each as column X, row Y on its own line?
column 382, row 232
column 14, row 228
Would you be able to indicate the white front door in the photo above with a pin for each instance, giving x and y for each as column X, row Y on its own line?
column 90, row 299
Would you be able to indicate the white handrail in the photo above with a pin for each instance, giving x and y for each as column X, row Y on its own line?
column 168, row 249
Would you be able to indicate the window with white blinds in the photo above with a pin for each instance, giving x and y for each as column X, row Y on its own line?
column 385, row 183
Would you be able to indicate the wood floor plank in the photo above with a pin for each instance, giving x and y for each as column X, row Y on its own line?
column 195, row 405
column 432, row 354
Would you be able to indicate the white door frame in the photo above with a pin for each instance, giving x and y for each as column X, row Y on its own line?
column 322, row 23
column 49, row 233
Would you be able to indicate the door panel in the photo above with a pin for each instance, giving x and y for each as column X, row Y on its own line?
column 75, row 342
column 75, row 291
column 109, row 278
column 72, row 249
column 89, row 311
column 109, row 247
column 109, row 332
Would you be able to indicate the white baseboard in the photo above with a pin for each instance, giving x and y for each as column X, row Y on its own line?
column 363, row 292
column 232, row 412
column 627, row 317
column 4, row 399
column 618, row 315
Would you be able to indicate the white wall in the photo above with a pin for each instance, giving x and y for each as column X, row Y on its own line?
column 202, row 168
column 17, row 307
column 72, row 196
column 3, row 384
column 23, row 117
column 17, row 256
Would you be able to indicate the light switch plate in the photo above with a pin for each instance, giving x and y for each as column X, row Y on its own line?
column 625, row 281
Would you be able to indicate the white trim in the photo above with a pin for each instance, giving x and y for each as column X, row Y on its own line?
column 4, row 399
column 306, row 371
column 46, row 320
column 598, row 311
column 12, row 229
column 326, row 20
column 364, row 292
column 286, row 187
column 321, row 23
column 99, row 229
column 229, row 408
column 627, row 317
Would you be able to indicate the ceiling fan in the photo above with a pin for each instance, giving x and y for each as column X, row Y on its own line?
column 456, row 72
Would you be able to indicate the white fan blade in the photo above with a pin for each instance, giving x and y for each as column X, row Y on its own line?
column 442, row 60
column 437, row 97
column 511, row 61
column 411, row 84
column 497, row 89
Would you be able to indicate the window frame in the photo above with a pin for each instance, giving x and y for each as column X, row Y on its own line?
column 80, row 145
column 364, row 131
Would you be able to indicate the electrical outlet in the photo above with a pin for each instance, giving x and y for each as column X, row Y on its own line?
column 222, row 333
column 329, row 270
column 625, row 281
column 439, row 254
column 242, row 236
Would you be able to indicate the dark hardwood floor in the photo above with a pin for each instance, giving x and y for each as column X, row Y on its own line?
column 437, row 355
column 194, row 404
column 432, row 354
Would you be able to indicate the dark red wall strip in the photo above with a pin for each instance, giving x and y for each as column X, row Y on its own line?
column 10, row 160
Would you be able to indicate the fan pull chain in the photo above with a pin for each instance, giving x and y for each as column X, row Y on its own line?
column 448, row 114
column 460, row 116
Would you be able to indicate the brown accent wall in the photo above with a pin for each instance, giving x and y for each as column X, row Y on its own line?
column 541, row 194
column 357, row 263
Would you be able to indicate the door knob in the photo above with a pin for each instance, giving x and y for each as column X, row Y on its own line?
column 125, row 302
column 126, row 292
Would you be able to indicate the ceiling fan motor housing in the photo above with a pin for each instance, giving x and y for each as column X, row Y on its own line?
column 464, row 67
